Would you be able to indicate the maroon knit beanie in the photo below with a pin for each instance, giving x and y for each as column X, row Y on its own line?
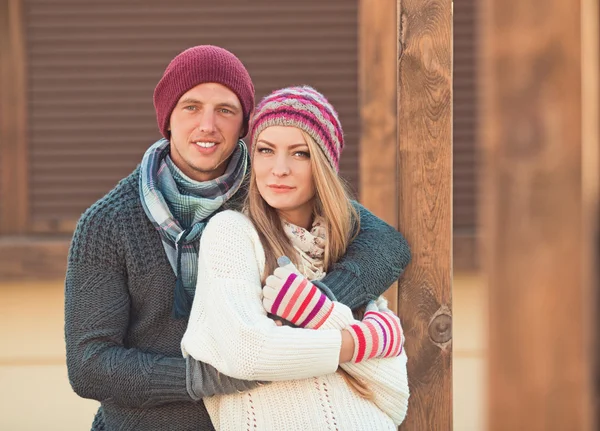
column 197, row 65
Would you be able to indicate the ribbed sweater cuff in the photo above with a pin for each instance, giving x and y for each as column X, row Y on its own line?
column 168, row 383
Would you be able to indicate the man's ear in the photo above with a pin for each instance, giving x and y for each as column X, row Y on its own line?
column 246, row 127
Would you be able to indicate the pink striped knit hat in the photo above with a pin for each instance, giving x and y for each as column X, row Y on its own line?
column 304, row 108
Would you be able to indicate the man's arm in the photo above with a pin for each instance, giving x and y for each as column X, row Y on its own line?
column 99, row 365
column 373, row 261
column 97, row 308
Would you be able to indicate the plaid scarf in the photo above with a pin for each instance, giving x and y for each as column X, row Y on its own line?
column 180, row 208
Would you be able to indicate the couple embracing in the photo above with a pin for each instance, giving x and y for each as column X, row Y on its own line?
column 230, row 286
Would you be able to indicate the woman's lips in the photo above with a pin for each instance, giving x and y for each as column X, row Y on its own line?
column 278, row 188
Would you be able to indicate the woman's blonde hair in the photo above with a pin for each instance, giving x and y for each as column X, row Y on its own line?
column 331, row 202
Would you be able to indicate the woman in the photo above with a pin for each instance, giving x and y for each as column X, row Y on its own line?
column 296, row 207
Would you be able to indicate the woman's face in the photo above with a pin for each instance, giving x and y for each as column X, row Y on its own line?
column 283, row 173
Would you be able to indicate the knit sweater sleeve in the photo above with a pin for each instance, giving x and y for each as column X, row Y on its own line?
column 97, row 312
column 228, row 326
column 373, row 261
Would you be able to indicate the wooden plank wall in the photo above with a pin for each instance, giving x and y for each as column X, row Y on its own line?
column 539, row 77
column 425, row 205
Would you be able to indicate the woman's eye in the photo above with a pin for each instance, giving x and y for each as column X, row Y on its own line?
column 265, row 150
column 304, row 154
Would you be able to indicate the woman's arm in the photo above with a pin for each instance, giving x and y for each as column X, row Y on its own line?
column 386, row 377
column 228, row 326
column 378, row 334
column 373, row 261
column 289, row 295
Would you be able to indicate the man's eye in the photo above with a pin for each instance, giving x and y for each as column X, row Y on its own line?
column 226, row 111
column 190, row 108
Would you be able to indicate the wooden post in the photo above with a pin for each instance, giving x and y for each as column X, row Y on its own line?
column 425, row 206
column 377, row 88
column 540, row 217
column 14, row 191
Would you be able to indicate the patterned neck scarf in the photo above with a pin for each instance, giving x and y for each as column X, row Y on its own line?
column 310, row 246
column 180, row 208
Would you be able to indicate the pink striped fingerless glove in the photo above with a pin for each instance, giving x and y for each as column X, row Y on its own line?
column 292, row 297
column 378, row 335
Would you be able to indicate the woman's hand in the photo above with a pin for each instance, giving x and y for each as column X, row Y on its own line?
column 378, row 335
column 289, row 295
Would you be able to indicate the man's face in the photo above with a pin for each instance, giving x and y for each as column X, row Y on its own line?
column 205, row 127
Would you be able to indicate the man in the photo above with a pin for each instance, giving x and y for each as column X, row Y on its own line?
column 133, row 260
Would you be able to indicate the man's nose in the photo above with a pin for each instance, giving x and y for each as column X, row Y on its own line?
column 206, row 121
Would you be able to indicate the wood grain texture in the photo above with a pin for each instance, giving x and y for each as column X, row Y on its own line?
column 540, row 218
column 14, row 190
column 425, row 206
column 378, row 149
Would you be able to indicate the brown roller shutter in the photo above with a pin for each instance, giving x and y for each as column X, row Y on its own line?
column 465, row 117
column 93, row 67
column 2, row 221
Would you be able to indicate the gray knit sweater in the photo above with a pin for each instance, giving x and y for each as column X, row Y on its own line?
column 123, row 346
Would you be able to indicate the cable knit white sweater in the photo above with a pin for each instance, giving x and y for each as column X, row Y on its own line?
column 229, row 329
